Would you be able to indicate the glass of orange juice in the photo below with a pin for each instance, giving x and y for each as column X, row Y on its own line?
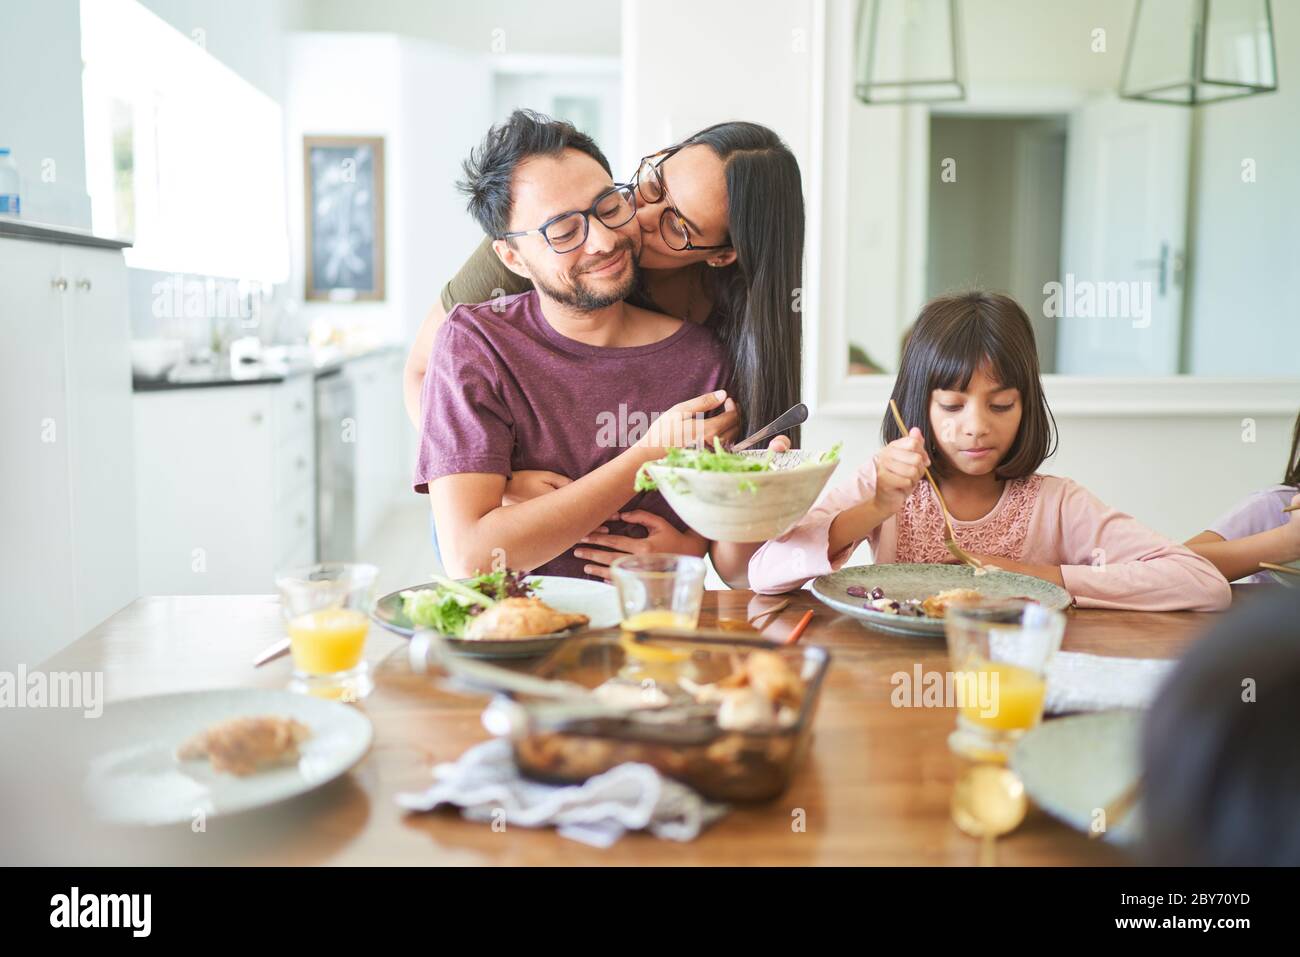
column 659, row 591
column 999, row 651
column 327, row 607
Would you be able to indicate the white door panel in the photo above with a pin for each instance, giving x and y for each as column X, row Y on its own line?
column 35, row 559
column 1125, row 225
column 102, row 466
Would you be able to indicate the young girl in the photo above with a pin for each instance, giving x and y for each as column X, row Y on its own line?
column 969, row 387
column 1257, row 530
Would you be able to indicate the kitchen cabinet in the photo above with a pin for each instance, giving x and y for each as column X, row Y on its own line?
column 67, row 499
column 228, row 489
column 227, row 486
column 383, row 436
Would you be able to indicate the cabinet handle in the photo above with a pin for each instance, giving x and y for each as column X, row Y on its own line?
column 256, row 418
column 83, row 285
column 61, row 284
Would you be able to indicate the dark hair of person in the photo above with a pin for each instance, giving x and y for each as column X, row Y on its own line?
column 954, row 337
column 1220, row 766
column 1292, row 474
column 757, row 299
column 489, row 171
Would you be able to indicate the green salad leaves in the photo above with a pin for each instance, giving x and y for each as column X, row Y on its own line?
column 448, row 607
column 719, row 459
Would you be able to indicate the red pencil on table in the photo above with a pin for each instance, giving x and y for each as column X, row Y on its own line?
column 799, row 628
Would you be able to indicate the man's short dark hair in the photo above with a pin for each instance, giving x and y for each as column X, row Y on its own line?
column 491, row 165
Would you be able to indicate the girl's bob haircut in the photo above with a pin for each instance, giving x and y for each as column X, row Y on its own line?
column 953, row 337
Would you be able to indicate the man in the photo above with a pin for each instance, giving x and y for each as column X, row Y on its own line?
column 567, row 378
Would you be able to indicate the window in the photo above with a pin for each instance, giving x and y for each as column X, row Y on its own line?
column 183, row 156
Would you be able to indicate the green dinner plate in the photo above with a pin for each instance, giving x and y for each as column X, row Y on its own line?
column 1072, row 767
column 922, row 581
column 1290, row 581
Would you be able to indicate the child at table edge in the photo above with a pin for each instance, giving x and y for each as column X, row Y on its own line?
column 969, row 387
column 1257, row 529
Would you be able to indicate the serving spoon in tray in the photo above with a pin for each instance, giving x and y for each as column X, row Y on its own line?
column 950, row 537
column 559, row 700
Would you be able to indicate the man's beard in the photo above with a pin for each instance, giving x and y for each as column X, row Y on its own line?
column 583, row 298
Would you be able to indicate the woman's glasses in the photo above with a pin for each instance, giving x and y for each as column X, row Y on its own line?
column 566, row 232
column 649, row 183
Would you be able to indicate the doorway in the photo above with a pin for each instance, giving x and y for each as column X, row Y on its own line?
column 996, row 202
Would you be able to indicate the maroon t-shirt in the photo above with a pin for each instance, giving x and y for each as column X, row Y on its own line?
column 505, row 392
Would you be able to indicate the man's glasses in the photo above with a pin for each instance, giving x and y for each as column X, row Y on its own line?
column 649, row 183
column 566, row 232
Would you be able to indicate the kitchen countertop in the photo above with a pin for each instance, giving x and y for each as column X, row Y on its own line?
column 221, row 374
column 50, row 233
column 875, row 787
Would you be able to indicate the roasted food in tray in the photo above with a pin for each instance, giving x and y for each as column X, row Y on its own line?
column 730, row 718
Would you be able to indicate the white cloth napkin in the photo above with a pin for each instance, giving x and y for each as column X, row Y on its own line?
column 1079, row 682
column 485, row 784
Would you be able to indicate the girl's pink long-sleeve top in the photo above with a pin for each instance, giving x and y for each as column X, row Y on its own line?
column 1107, row 558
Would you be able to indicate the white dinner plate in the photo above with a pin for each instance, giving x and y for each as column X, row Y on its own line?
column 582, row 596
column 133, row 776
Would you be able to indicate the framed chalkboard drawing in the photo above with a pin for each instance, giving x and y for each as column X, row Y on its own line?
column 343, row 178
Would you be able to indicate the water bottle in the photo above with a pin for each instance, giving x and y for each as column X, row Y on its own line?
column 9, row 202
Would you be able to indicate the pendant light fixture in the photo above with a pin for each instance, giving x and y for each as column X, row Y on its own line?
column 1188, row 52
column 908, row 51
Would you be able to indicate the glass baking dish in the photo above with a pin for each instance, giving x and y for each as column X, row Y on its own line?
column 558, row 744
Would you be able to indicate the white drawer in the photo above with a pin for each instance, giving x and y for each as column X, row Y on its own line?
column 294, row 412
column 295, row 466
column 295, row 527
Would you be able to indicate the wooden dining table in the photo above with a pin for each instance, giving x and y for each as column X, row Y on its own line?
column 874, row 788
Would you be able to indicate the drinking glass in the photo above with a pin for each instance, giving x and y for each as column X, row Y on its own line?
column 659, row 591
column 999, row 651
column 327, row 607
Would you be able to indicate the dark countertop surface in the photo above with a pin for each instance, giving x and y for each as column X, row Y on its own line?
column 220, row 374
column 49, row 233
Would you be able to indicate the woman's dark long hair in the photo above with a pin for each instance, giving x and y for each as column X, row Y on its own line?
column 757, row 298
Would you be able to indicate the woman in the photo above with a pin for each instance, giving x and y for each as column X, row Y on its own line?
column 722, row 223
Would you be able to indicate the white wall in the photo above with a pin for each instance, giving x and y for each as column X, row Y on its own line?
column 40, row 108
column 1246, row 252
column 585, row 27
column 431, row 104
column 245, row 35
column 540, row 88
column 687, row 65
